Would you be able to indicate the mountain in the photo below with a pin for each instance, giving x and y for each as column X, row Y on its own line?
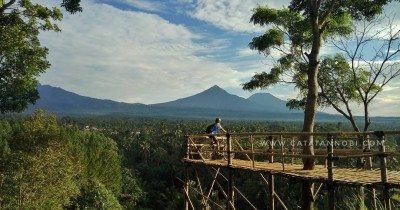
column 60, row 101
column 218, row 99
column 210, row 103
column 269, row 101
column 212, row 98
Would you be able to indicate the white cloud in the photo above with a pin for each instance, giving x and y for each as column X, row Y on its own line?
column 232, row 14
column 129, row 56
column 145, row 5
column 247, row 52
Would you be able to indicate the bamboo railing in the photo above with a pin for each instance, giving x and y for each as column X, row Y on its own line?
column 281, row 153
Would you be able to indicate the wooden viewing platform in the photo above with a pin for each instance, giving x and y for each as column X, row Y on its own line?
column 280, row 154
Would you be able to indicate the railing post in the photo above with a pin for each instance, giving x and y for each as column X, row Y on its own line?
column 252, row 149
column 384, row 178
column 330, row 183
column 229, row 142
column 187, row 147
column 368, row 162
column 271, row 147
column 231, row 183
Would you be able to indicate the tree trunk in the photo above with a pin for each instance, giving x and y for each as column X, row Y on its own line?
column 367, row 121
column 311, row 103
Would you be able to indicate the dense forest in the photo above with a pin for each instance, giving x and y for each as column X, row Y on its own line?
column 49, row 162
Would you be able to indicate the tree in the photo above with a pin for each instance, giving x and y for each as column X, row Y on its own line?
column 22, row 58
column 373, row 63
column 298, row 33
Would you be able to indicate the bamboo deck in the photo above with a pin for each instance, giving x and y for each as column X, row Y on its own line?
column 343, row 176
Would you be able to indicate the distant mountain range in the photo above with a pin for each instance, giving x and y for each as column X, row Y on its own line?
column 211, row 103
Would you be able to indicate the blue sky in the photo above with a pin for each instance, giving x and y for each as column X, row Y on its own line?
column 152, row 51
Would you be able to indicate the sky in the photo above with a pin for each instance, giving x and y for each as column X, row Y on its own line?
column 153, row 51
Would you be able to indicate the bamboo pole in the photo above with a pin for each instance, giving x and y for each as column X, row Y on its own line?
column 271, row 192
column 361, row 195
column 280, row 201
column 252, row 148
column 330, row 183
column 384, row 178
column 186, row 188
column 218, row 184
column 271, row 146
column 196, row 191
column 318, row 189
column 283, row 154
column 187, row 148
column 203, row 200
column 292, row 149
column 229, row 142
column 188, row 198
column 244, row 197
column 212, row 184
column 231, row 189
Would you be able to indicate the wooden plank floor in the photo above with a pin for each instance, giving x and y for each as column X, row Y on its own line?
column 346, row 176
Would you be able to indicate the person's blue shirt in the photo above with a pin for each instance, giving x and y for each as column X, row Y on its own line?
column 215, row 128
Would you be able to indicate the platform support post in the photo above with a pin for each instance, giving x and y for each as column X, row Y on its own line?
column 186, row 188
column 231, row 181
column 271, row 192
column 229, row 142
column 231, row 189
column 371, row 190
column 271, row 147
column 384, row 178
column 330, row 183
column 361, row 196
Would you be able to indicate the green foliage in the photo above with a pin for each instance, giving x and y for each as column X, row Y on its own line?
column 47, row 166
column 101, row 161
column 40, row 174
column 132, row 192
column 22, row 58
column 357, row 9
column 95, row 195
column 5, row 135
column 291, row 35
column 336, row 80
column 265, row 42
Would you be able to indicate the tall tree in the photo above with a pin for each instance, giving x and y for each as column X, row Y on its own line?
column 22, row 58
column 301, row 30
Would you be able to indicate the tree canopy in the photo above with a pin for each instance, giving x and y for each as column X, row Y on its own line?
column 22, row 58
